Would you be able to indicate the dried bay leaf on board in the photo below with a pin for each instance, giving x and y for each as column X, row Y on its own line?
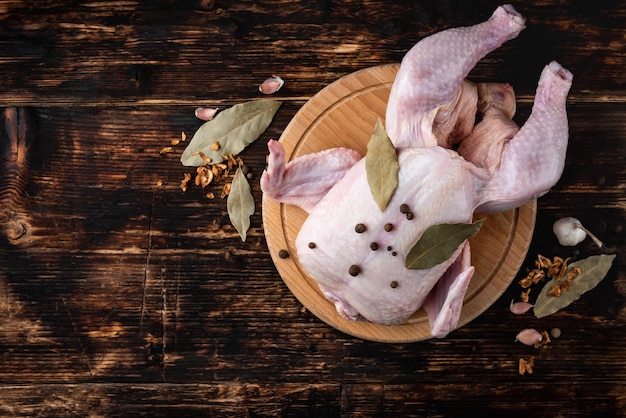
column 593, row 268
column 438, row 243
column 240, row 203
column 381, row 166
column 233, row 129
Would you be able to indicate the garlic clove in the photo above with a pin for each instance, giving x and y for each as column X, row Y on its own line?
column 519, row 308
column 271, row 85
column 529, row 336
column 569, row 231
column 206, row 113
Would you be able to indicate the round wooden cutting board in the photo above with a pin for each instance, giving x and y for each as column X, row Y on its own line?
column 343, row 115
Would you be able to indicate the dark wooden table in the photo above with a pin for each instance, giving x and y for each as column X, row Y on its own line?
column 122, row 295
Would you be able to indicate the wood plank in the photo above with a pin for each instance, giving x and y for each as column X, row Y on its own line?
column 121, row 53
column 315, row 400
column 224, row 400
column 146, row 283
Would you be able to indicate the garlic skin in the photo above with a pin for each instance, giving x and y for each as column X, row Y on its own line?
column 529, row 336
column 271, row 85
column 569, row 231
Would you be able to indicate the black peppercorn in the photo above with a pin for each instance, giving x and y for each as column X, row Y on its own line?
column 312, row 245
column 394, row 284
column 410, row 215
column 373, row 246
column 283, row 254
column 388, row 227
column 404, row 208
column 360, row 228
column 354, row 270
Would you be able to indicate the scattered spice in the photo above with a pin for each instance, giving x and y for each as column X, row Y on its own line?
column 354, row 270
column 526, row 366
column 555, row 292
column 394, row 284
column 545, row 339
column 389, row 248
column 202, row 156
column 216, row 146
column 404, row 208
column 210, row 195
column 555, row 332
column 166, row 150
column 543, row 262
column 388, row 227
column 283, row 254
column 183, row 136
column 204, row 176
column 374, row 246
column 185, row 181
column 410, row 216
column 312, row 245
column 524, row 296
column 175, row 141
column 226, row 190
column 360, row 228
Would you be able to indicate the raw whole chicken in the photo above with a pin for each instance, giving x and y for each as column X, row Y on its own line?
column 496, row 166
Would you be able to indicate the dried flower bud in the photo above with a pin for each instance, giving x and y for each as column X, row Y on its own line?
column 519, row 308
column 206, row 113
column 529, row 336
column 271, row 85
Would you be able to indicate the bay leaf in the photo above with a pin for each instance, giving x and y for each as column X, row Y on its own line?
column 593, row 268
column 438, row 243
column 240, row 203
column 381, row 166
column 232, row 130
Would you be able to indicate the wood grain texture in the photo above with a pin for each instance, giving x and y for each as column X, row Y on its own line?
column 165, row 52
column 122, row 295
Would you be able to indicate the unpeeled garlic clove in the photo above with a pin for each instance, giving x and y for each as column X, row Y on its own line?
column 271, row 85
column 529, row 336
column 519, row 308
column 569, row 231
column 206, row 113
